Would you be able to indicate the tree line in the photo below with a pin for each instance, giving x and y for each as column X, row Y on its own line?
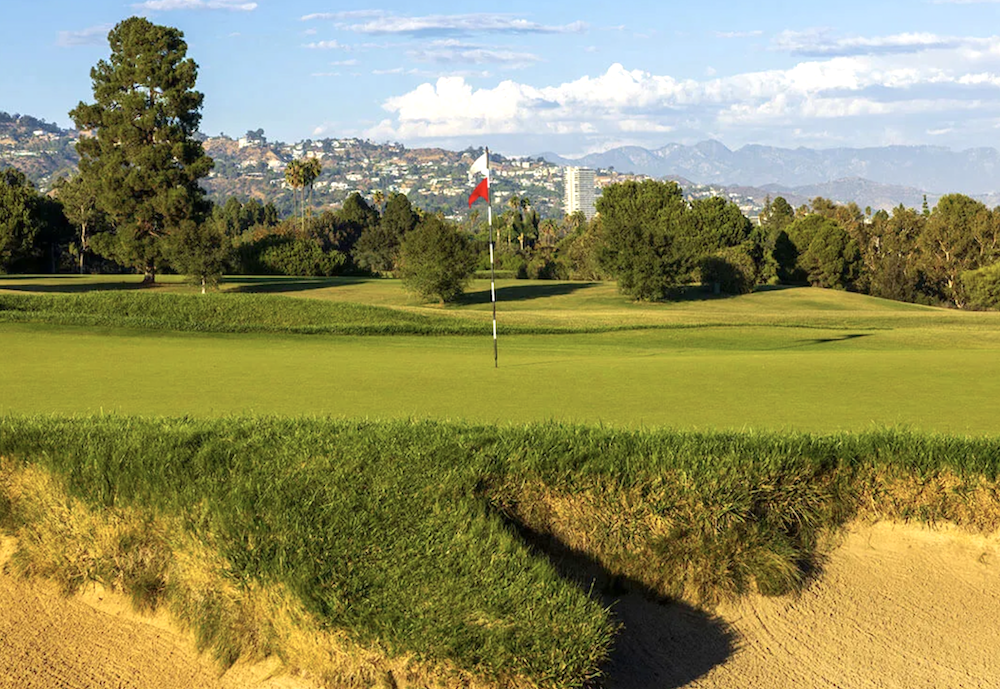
column 652, row 241
column 136, row 204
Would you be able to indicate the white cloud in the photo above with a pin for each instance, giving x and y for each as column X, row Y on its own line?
column 169, row 5
column 814, row 96
column 738, row 34
column 344, row 63
column 820, row 43
column 455, row 24
column 340, row 16
column 451, row 51
column 326, row 45
column 95, row 35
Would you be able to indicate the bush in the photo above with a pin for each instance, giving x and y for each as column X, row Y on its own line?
column 546, row 268
column 436, row 260
column 732, row 269
column 982, row 287
column 285, row 254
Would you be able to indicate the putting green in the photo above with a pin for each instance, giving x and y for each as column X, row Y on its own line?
column 940, row 379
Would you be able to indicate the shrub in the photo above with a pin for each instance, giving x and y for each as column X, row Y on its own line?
column 436, row 260
column 982, row 287
column 733, row 269
column 287, row 254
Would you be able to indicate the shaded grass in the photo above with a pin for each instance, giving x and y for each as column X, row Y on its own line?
column 277, row 314
column 407, row 535
column 230, row 313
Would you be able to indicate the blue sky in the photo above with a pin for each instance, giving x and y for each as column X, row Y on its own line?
column 568, row 77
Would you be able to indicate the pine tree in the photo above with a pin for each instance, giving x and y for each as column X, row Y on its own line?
column 139, row 154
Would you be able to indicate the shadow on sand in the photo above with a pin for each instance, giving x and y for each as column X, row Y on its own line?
column 662, row 644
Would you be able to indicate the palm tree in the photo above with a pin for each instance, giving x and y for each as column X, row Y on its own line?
column 514, row 204
column 377, row 198
column 525, row 205
column 473, row 221
column 301, row 174
column 294, row 177
column 312, row 170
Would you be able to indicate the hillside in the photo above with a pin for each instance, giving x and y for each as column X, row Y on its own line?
column 436, row 179
column 40, row 149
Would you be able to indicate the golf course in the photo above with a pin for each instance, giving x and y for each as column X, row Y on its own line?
column 799, row 359
column 306, row 482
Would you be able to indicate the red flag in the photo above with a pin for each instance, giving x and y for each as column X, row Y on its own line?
column 482, row 191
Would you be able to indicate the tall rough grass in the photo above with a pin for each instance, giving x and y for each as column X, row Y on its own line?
column 407, row 537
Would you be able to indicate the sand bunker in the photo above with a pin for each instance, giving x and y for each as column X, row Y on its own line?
column 95, row 641
column 896, row 606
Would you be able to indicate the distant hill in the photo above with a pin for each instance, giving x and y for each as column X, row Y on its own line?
column 38, row 148
column 937, row 170
column 435, row 179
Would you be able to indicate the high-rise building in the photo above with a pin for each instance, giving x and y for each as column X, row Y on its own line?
column 580, row 191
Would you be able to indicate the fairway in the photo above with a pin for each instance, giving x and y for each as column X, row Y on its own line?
column 306, row 437
column 801, row 359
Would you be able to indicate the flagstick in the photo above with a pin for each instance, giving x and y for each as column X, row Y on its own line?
column 493, row 275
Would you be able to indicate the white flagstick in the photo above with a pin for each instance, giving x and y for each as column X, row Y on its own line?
column 493, row 276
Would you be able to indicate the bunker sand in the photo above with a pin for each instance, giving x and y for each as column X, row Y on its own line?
column 895, row 606
column 95, row 641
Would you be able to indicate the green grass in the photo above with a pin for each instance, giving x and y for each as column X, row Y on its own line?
column 699, row 378
column 794, row 359
column 421, row 529
column 410, row 536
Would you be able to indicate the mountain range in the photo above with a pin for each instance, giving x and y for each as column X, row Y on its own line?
column 875, row 177
column 921, row 169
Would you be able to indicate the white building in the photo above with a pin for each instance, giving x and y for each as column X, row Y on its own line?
column 580, row 191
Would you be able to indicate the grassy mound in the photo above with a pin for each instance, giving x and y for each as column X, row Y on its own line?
column 226, row 313
column 237, row 312
column 429, row 539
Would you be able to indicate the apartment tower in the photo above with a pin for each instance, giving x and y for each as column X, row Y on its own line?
column 580, row 194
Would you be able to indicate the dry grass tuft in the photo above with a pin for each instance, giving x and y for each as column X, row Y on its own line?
column 970, row 502
column 157, row 564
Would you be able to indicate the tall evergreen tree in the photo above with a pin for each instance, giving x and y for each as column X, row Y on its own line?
column 140, row 156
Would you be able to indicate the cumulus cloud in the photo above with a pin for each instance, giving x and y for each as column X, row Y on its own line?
column 169, row 5
column 820, row 95
column 95, row 35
